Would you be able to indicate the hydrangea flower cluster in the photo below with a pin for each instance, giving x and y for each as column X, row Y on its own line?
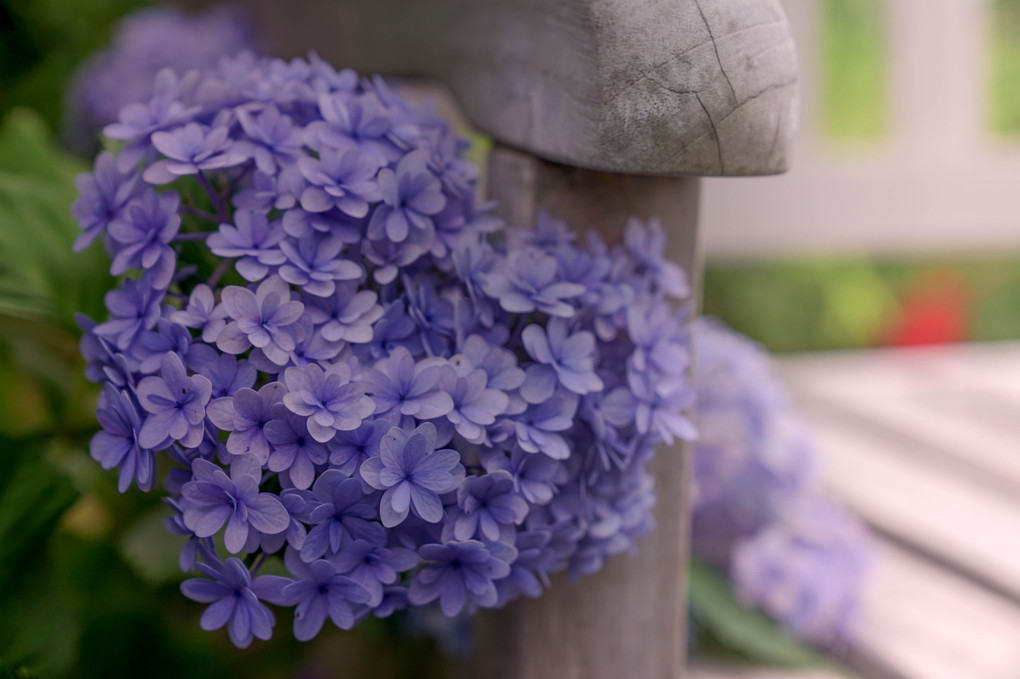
column 759, row 513
column 347, row 365
column 144, row 43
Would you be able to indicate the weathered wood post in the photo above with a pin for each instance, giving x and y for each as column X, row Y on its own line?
column 600, row 109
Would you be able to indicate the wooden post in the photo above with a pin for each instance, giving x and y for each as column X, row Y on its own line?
column 598, row 108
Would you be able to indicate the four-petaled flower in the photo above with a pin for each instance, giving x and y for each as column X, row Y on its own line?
column 176, row 405
column 413, row 474
column 232, row 602
column 212, row 499
column 328, row 398
column 458, row 573
column 263, row 319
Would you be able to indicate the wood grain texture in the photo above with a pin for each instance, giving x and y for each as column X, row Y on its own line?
column 629, row 619
column 670, row 87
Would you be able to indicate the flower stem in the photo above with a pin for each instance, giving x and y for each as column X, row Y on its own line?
column 220, row 271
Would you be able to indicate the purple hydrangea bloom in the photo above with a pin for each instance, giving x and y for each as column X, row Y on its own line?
column 176, row 405
column 475, row 406
column 355, row 362
column 328, row 398
column 318, row 591
column 274, row 138
column 570, row 356
column 413, row 474
column 314, row 264
column 458, row 574
column 488, row 508
column 262, row 319
column 253, row 241
column 401, row 387
column 116, row 445
column 232, row 602
column 133, row 307
column 349, row 449
column 527, row 282
column 103, row 198
column 411, row 196
column 346, row 315
column 539, row 427
column 144, row 43
column 190, row 150
column 244, row 416
column 758, row 510
column 343, row 178
column 373, row 566
column 294, row 450
column 212, row 499
column 806, row 570
column 202, row 313
column 342, row 514
column 143, row 235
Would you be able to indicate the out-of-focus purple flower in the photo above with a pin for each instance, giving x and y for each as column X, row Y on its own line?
column 253, row 241
column 488, row 508
column 212, row 498
column 526, row 282
column 361, row 119
column 244, row 416
column 138, row 121
column 116, row 445
column 262, row 319
column 411, row 196
column 661, row 411
column 273, row 138
column 103, row 198
column 570, row 356
column 176, row 405
column 342, row 513
column 413, row 474
column 534, row 476
column 143, row 235
column 329, row 399
column 806, row 570
column 399, row 386
column 373, row 566
column 232, row 600
column 318, row 591
column 144, row 43
column 342, row 178
column 458, row 574
column 190, row 150
column 314, row 264
column 646, row 242
column 346, row 315
column 133, row 307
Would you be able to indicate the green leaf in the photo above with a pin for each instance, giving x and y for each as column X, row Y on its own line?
column 33, row 497
column 750, row 633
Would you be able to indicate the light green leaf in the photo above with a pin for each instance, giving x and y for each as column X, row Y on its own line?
column 748, row 632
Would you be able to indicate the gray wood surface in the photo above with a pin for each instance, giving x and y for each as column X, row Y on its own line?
column 673, row 87
column 629, row 619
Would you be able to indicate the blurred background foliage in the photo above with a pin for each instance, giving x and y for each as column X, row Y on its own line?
column 82, row 573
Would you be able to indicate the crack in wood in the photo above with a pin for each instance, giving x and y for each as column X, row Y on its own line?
column 715, row 133
column 715, row 46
